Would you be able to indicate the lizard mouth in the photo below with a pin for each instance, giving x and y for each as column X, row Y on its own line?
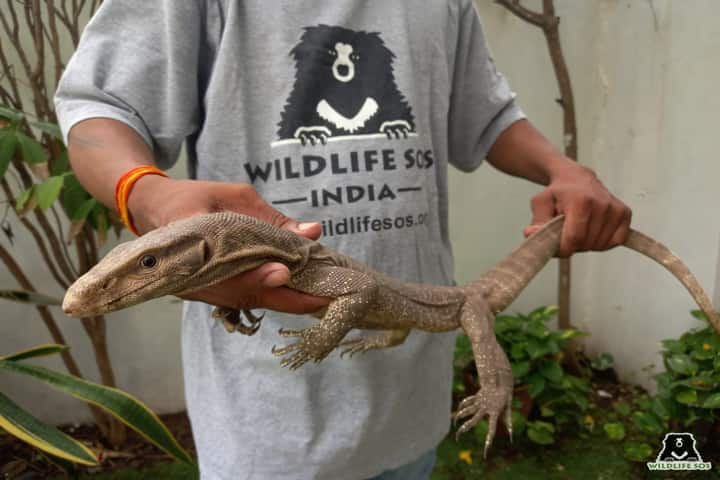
column 98, row 309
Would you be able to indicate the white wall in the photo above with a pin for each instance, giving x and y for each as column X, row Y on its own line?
column 645, row 85
column 647, row 101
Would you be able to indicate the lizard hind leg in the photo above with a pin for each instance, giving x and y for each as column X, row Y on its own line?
column 494, row 399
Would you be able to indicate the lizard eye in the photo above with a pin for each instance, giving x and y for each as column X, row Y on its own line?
column 148, row 261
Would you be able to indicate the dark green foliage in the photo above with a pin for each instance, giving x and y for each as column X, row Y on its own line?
column 535, row 354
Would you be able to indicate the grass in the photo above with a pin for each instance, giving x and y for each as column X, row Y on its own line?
column 588, row 457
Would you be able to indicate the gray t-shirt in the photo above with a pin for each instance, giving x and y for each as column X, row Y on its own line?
column 342, row 112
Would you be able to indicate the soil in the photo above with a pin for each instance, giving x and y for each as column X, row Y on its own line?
column 20, row 461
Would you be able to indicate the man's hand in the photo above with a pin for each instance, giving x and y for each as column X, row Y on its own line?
column 594, row 218
column 156, row 201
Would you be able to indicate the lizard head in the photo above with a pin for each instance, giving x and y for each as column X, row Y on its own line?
column 183, row 256
column 148, row 267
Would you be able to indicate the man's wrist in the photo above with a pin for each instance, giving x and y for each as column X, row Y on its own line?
column 561, row 167
column 143, row 201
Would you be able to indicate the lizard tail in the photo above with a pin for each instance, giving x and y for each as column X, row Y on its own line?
column 655, row 250
column 504, row 282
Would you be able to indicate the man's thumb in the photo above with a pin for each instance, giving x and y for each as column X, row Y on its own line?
column 543, row 210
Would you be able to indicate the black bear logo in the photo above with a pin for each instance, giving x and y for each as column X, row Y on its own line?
column 344, row 85
column 679, row 447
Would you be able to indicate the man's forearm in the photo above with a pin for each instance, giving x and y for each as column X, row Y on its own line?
column 522, row 151
column 101, row 150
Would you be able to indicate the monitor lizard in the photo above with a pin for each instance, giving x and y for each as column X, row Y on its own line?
column 200, row 251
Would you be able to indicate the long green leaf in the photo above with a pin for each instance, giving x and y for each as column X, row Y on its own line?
column 49, row 191
column 32, row 151
column 21, row 424
column 26, row 201
column 49, row 128
column 14, row 116
column 39, row 351
column 8, row 144
column 35, row 298
column 126, row 408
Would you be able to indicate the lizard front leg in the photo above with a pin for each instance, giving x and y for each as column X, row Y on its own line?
column 354, row 294
column 494, row 373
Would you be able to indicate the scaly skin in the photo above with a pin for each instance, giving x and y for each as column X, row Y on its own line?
column 204, row 250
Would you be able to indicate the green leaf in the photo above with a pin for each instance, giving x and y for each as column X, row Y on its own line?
column 19, row 423
column 26, row 200
column 32, row 151
column 14, row 116
column 683, row 364
column 538, row 329
column 544, row 313
column 34, row 298
column 674, row 346
column 518, row 423
column 61, row 164
column 541, row 432
column 552, row 371
column 569, row 333
column 39, row 351
column 86, row 207
column 699, row 314
column 602, row 362
column 8, row 145
column 614, row 430
column 687, row 397
column 637, row 451
column 537, row 349
column 481, row 430
column 661, row 408
column 520, row 369
column 713, row 401
column 648, row 423
column 546, row 411
column 126, row 408
column 537, row 385
column 49, row 128
column 49, row 191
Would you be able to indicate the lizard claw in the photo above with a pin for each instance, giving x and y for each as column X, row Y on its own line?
column 232, row 320
column 490, row 401
column 290, row 333
column 296, row 361
column 279, row 352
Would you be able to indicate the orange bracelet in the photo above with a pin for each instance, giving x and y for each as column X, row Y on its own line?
column 122, row 192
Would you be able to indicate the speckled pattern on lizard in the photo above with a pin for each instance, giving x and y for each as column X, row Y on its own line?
column 203, row 250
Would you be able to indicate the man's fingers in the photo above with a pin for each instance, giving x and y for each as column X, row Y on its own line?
column 248, row 201
column 613, row 221
column 260, row 288
column 290, row 301
column 601, row 221
column 543, row 210
column 621, row 234
column 574, row 230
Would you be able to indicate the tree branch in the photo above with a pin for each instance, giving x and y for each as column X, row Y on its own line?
column 526, row 14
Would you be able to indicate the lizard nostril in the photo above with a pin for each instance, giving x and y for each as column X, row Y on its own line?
column 107, row 285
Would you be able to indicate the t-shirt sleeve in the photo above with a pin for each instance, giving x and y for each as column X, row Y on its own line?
column 137, row 62
column 482, row 104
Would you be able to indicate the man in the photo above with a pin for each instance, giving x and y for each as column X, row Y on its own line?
column 353, row 130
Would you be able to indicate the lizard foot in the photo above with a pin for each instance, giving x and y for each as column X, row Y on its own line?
column 358, row 345
column 311, row 345
column 232, row 320
column 490, row 401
